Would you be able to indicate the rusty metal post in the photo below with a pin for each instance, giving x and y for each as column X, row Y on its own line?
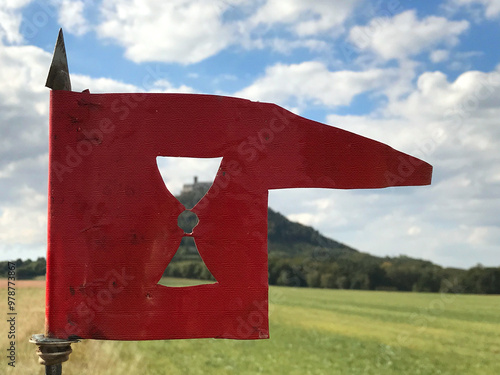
column 52, row 352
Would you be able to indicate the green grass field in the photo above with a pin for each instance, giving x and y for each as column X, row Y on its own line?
column 313, row 331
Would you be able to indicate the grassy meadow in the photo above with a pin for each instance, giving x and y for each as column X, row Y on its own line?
column 313, row 331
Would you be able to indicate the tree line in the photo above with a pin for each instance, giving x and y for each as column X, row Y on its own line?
column 350, row 271
column 25, row 269
column 392, row 274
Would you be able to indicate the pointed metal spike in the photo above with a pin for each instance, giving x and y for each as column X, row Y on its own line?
column 58, row 78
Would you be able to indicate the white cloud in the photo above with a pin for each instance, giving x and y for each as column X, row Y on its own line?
column 312, row 82
column 99, row 85
column 405, row 35
column 71, row 16
column 491, row 7
column 414, row 230
column 305, row 17
column 107, row 85
column 189, row 31
column 484, row 235
column 456, row 119
column 10, row 20
column 162, row 85
column 286, row 46
column 439, row 55
column 468, row 96
column 183, row 31
column 30, row 218
column 23, row 98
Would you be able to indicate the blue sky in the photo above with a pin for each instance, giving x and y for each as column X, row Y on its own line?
column 423, row 77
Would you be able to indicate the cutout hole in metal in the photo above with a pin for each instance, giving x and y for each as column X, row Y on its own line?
column 188, row 178
column 187, row 267
column 187, row 220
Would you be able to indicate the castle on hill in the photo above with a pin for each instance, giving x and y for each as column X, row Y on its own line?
column 196, row 186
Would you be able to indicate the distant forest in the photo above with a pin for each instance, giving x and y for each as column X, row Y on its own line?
column 300, row 256
column 356, row 271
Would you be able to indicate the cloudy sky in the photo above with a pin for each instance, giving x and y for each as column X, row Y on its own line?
column 423, row 77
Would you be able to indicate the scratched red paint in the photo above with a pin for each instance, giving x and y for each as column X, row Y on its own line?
column 113, row 223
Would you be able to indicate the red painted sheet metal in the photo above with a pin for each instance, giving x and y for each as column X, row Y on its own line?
column 113, row 223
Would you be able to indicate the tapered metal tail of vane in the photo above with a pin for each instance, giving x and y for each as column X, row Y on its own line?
column 58, row 78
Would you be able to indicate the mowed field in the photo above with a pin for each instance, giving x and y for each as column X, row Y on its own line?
column 313, row 331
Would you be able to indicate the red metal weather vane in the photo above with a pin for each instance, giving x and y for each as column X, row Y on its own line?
column 113, row 223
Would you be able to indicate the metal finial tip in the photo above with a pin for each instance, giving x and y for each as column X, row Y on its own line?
column 58, row 78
